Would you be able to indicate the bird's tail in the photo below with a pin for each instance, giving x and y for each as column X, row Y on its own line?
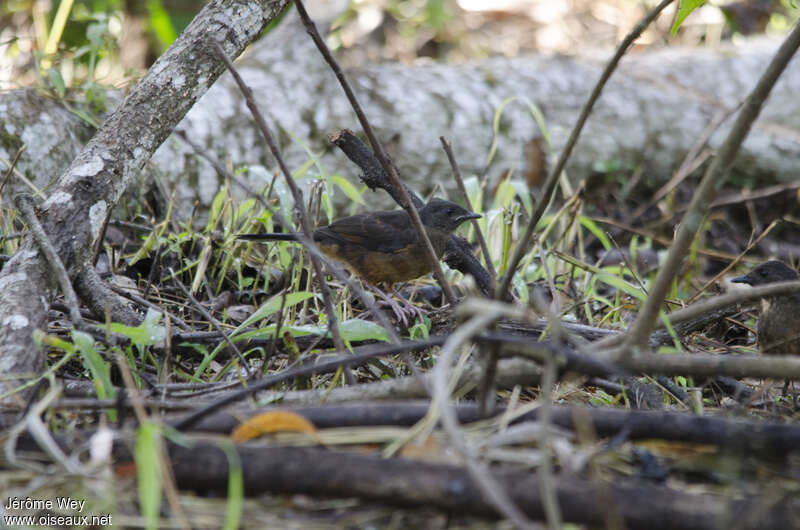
column 268, row 237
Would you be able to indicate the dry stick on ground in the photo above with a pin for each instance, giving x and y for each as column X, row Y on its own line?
column 773, row 439
column 211, row 320
column 715, row 176
column 315, row 471
column 552, row 179
column 388, row 167
column 346, row 359
column 708, row 365
column 483, row 479
column 333, row 319
column 92, row 185
column 487, row 258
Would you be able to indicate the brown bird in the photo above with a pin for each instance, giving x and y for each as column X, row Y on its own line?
column 383, row 247
column 778, row 330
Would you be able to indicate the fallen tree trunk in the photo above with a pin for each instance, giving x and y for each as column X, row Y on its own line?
column 652, row 112
column 75, row 212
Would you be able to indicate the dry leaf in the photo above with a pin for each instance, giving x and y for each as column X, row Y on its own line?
column 269, row 422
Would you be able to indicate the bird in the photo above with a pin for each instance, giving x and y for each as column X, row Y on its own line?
column 778, row 327
column 382, row 247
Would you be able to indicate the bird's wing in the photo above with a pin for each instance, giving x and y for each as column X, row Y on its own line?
column 387, row 232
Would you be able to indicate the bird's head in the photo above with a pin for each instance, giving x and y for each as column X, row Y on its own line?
column 444, row 215
column 769, row 272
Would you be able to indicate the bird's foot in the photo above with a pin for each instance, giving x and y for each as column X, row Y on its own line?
column 404, row 310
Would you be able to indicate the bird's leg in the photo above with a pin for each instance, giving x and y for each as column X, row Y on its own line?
column 396, row 309
column 401, row 310
column 413, row 310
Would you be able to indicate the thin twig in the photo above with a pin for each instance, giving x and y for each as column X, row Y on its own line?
column 345, row 358
column 715, row 176
column 12, row 166
column 213, row 321
column 377, row 148
column 333, row 319
column 733, row 263
column 489, row 486
column 552, row 179
column 460, row 182
column 147, row 303
column 549, row 491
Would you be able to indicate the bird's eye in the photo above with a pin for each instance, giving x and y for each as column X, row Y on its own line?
column 450, row 211
column 763, row 273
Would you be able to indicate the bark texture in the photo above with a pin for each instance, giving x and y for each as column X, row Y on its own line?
column 76, row 208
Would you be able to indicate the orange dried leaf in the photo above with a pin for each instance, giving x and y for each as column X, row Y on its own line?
column 268, row 422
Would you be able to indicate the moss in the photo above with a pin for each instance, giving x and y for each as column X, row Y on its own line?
column 10, row 142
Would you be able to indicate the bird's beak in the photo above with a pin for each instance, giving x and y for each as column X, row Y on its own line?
column 741, row 279
column 469, row 216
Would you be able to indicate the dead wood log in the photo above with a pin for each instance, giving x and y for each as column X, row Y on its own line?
column 736, row 435
column 204, row 468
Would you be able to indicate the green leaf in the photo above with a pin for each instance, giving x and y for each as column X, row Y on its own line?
column 622, row 285
column 145, row 334
column 216, row 210
column 496, row 128
column 684, row 9
column 504, row 195
column 347, row 187
column 421, row 329
column 148, row 472
column 285, row 199
column 522, row 192
column 359, row 330
column 85, row 116
column 101, row 372
column 58, row 82
column 245, row 207
column 161, row 23
column 474, row 192
column 352, row 330
column 327, row 203
column 592, row 227
column 233, row 511
column 272, row 306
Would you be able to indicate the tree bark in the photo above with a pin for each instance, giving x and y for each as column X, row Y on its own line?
column 76, row 209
